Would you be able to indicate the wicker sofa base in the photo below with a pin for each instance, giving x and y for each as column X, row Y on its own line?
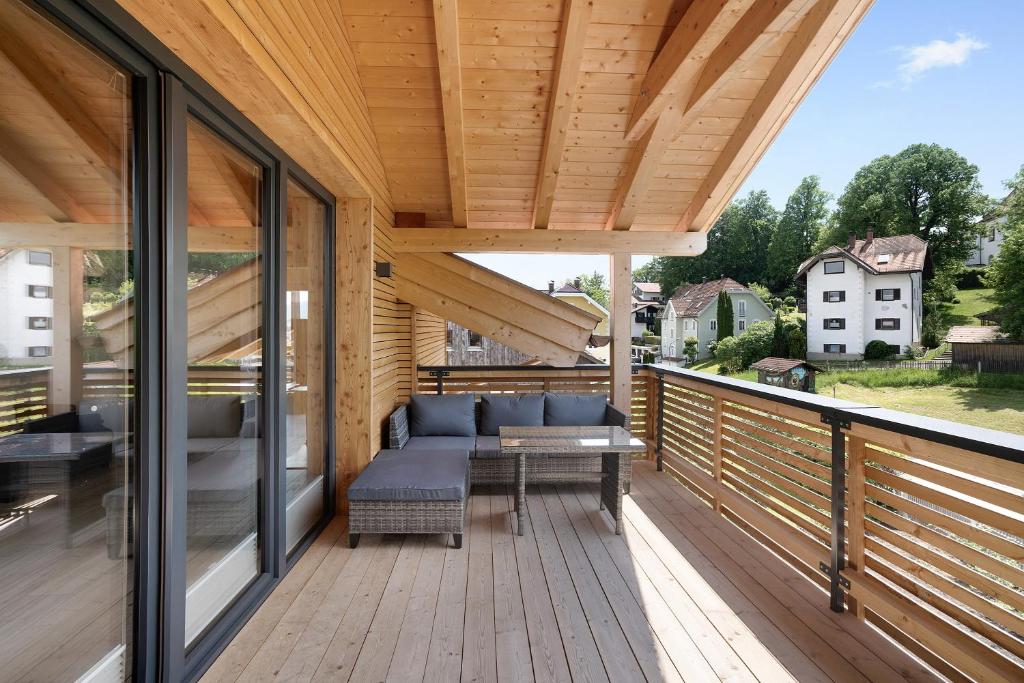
column 548, row 469
column 406, row 517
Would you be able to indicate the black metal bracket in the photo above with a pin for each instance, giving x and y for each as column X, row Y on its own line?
column 439, row 375
column 836, row 421
column 840, row 579
column 661, row 420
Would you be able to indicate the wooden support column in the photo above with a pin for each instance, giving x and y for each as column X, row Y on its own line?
column 855, row 514
column 353, row 346
column 413, row 351
column 716, row 453
column 620, row 361
column 68, row 296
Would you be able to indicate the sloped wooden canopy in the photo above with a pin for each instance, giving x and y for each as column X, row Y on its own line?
column 583, row 114
column 495, row 306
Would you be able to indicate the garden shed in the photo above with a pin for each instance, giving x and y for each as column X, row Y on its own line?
column 786, row 372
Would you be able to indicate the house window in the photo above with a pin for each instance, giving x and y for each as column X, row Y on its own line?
column 835, row 348
column 714, row 325
column 40, row 258
column 474, row 339
column 640, row 316
column 40, row 292
column 990, row 258
column 887, row 323
column 887, row 294
column 835, row 297
column 40, row 323
column 741, row 325
column 448, row 337
column 894, row 349
column 835, row 323
column 992, row 234
column 741, row 308
column 39, row 351
column 834, row 267
column 883, row 258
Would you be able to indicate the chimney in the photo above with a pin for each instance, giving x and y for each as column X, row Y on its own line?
column 871, row 236
column 551, row 286
column 576, row 283
column 851, row 241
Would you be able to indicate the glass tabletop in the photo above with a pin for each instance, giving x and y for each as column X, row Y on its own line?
column 583, row 440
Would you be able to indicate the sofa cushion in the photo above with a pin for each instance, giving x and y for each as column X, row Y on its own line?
column 441, row 443
column 574, row 410
column 488, row 447
column 103, row 416
column 400, row 475
column 516, row 410
column 214, row 416
column 452, row 415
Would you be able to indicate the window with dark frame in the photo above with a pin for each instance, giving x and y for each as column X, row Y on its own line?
column 835, row 267
column 40, row 291
column 887, row 323
column 835, row 323
column 834, row 296
column 835, row 348
column 475, row 339
column 894, row 349
column 887, row 294
column 40, row 258
column 40, row 322
column 39, row 351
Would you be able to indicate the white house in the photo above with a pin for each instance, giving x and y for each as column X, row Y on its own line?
column 869, row 290
column 693, row 312
column 648, row 291
column 26, row 297
column 990, row 239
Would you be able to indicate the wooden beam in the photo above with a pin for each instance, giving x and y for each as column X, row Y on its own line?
column 61, row 205
column 576, row 19
column 68, row 295
column 621, row 309
column 446, row 31
column 100, row 236
column 819, row 37
column 643, row 162
column 354, row 341
column 455, row 240
column 674, row 73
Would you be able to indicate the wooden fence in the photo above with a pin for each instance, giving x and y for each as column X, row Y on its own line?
column 913, row 524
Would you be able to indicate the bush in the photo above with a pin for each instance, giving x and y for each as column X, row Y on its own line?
column 914, row 352
column 737, row 353
column 790, row 301
column 690, row 347
column 775, row 304
column 876, row 350
column 727, row 355
column 930, row 332
column 797, row 344
column 971, row 278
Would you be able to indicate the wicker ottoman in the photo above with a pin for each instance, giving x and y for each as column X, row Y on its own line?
column 409, row 492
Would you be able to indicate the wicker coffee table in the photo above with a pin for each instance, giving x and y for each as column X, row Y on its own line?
column 614, row 444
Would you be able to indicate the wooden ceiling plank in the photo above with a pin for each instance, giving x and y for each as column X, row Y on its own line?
column 818, row 38
column 61, row 205
column 446, row 30
column 105, row 236
column 569, row 60
column 675, row 70
column 457, row 240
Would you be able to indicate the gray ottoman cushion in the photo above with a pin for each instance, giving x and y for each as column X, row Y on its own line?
column 214, row 416
column 488, row 447
column 441, row 443
column 401, row 475
column 453, row 415
column 574, row 410
column 522, row 410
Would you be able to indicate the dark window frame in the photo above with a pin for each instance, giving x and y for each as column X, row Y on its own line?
column 841, row 263
column 46, row 354
column 880, row 324
column 880, row 293
column 46, row 289
column 827, row 326
column 839, row 348
column 47, row 322
column 46, row 262
column 840, row 292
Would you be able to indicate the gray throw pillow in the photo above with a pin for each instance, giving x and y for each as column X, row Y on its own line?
column 214, row 417
column 574, row 410
column 523, row 410
column 453, row 415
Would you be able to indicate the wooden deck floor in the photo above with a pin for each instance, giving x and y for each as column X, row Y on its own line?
column 682, row 595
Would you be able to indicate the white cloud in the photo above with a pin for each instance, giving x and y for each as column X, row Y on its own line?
column 936, row 55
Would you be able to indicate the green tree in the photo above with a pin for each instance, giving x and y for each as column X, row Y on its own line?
column 1006, row 273
column 780, row 338
column 763, row 293
column 649, row 272
column 593, row 285
column 925, row 190
column 724, row 316
column 801, row 223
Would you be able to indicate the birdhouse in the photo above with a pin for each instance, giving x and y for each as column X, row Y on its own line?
column 788, row 373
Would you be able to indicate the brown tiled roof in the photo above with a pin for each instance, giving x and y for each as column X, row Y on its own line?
column 648, row 287
column 690, row 300
column 906, row 254
column 974, row 334
column 781, row 364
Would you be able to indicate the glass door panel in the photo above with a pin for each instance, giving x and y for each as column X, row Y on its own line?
column 305, row 336
column 224, row 351
column 67, row 417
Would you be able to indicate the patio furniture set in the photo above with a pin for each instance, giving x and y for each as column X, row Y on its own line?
column 441, row 445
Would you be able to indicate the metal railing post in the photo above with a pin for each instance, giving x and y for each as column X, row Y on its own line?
column 439, row 376
column 660, row 376
column 837, row 598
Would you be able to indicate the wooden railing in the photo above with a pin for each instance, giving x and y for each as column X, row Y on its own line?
column 913, row 524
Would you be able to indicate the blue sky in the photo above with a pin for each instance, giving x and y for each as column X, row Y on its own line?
column 943, row 71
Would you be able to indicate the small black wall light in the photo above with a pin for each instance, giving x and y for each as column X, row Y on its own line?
column 382, row 268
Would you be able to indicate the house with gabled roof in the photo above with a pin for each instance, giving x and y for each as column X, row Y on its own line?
column 692, row 311
column 868, row 290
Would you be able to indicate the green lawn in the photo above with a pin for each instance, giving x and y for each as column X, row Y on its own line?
column 972, row 302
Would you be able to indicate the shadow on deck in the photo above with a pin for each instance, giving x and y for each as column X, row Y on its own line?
column 682, row 595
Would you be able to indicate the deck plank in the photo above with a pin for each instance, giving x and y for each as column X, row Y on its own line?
column 409, row 660
column 444, row 655
column 512, row 643
column 479, row 660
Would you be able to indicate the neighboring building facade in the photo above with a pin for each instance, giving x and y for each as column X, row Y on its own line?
column 990, row 241
column 572, row 294
column 645, row 317
column 26, row 290
column 465, row 347
column 869, row 290
column 648, row 291
column 692, row 311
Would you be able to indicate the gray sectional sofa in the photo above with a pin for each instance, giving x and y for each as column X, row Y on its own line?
column 461, row 422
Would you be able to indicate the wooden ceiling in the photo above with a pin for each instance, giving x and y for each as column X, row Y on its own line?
column 583, row 114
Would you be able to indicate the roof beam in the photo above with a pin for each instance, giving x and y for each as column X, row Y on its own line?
column 675, row 70
column 569, row 60
column 446, row 31
column 60, row 204
column 107, row 236
column 456, row 240
column 818, row 38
